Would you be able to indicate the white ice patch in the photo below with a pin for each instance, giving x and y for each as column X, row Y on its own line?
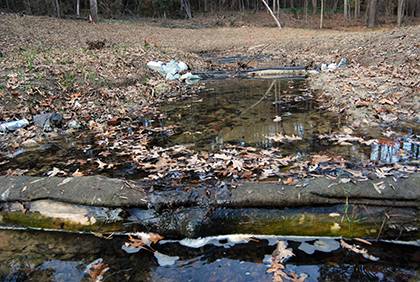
column 322, row 245
column 165, row 260
column 234, row 239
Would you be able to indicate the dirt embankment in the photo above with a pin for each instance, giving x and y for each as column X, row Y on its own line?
column 380, row 84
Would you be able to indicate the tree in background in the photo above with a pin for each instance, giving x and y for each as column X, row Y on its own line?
column 402, row 11
column 93, row 10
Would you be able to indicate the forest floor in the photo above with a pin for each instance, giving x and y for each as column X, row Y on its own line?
column 95, row 75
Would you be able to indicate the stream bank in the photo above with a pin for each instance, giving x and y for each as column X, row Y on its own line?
column 317, row 207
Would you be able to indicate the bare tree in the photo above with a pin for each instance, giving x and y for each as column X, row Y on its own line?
column 94, row 10
column 357, row 9
column 56, row 4
column 314, row 7
column 321, row 22
column 185, row 5
column 346, row 6
column 371, row 15
column 78, row 8
column 400, row 11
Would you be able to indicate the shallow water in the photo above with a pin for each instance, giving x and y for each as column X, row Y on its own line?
column 250, row 112
column 53, row 256
column 245, row 112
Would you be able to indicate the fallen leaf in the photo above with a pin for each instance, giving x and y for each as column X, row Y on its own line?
column 289, row 181
column 101, row 164
column 54, row 172
column 96, row 270
column 356, row 249
column 316, row 159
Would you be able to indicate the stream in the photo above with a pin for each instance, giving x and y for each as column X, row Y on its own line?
column 259, row 113
column 53, row 256
column 246, row 113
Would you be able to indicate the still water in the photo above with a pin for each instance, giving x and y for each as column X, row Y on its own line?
column 54, row 256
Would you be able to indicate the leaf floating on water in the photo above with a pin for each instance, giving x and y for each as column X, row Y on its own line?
column 141, row 240
column 356, row 249
column 96, row 270
column 294, row 278
column 279, row 256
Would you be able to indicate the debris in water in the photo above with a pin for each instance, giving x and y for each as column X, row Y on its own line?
column 279, row 256
column 141, row 240
column 96, row 270
column 356, row 249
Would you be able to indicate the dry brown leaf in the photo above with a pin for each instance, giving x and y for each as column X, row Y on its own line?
column 280, row 255
column 77, row 173
column 96, row 270
column 289, row 181
column 316, row 159
column 356, row 249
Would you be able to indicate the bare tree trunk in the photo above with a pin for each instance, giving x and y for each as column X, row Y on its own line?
column 346, row 6
column 321, row 22
column 306, row 10
column 371, row 20
column 400, row 12
column 185, row 5
column 357, row 9
column 57, row 8
column 272, row 14
column 314, row 7
column 94, row 10
column 78, row 8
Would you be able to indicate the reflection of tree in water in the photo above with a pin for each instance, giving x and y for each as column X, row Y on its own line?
column 390, row 152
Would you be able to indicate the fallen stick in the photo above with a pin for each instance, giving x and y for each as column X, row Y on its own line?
column 272, row 14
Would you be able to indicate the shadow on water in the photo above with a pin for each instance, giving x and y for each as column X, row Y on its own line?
column 51, row 256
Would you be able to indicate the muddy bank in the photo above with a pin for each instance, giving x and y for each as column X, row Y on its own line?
column 315, row 207
column 109, row 192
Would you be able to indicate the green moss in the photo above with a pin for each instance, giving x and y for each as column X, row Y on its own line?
column 300, row 224
column 311, row 225
column 36, row 220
